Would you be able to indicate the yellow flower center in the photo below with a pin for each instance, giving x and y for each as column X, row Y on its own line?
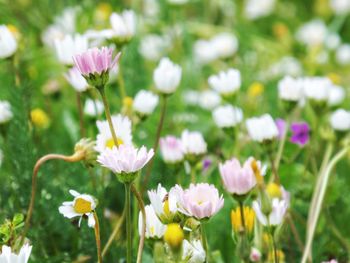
column 127, row 102
column 274, row 190
column 257, row 173
column 151, row 230
column 334, row 77
column 110, row 143
column 166, row 207
column 236, row 219
column 39, row 118
column 255, row 90
column 174, row 235
column 82, row 206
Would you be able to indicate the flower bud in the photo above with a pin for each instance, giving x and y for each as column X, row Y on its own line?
column 273, row 190
column 87, row 146
column 174, row 236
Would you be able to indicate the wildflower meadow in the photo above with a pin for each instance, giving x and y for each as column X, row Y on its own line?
column 174, row 131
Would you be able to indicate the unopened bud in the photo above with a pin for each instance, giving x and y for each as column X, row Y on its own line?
column 87, row 147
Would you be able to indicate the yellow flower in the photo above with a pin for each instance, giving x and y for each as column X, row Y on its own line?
column 280, row 255
column 249, row 218
column 174, row 236
column 14, row 30
column 274, row 190
column 255, row 89
column 280, row 30
column 110, row 142
column 103, row 11
column 39, row 118
column 334, row 77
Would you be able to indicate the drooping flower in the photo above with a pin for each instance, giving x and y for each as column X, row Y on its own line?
column 201, row 201
column 104, row 139
column 236, row 220
column 226, row 82
column 237, row 179
column 171, row 149
column 193, row 143
column 227, row 116
column 9, row 256
column 275, row 217
column 154, row 228
column 8, row 42
column 167, row 76
column 193, row 251
column 76, row 80
column 145, row 102
column 262, row 128
column 300, row 133
column 93, row 108
column 340, row 120
column 5, row 111
column 69, row 46
column 82, row 205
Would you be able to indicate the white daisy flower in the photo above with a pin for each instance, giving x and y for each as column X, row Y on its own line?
column 5, row 111
column 82, row 205
column 8, row 256
column 154, row 228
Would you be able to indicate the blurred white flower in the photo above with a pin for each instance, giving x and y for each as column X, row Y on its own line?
column 336, row 95
column 316, row 88
column 8, row 42
column 193, row 143
column 9, row 256
column 290, row 89
column 204, row 51
column 340, row 7
column 227, row 116
column 312, row 33
column 342, row 54
column 332, row 41
column 123, row 25
column 286, row 66
column 191, row 97
column 151, row 8
column 226, row 82
column 193, row 252
column 82, row 205
column 167, row 76
column 70, row 46
column 171, row 149
column 145, row 102
column 276, row 216
column 5, row 111
column 122, row 126
column 255, row 9
column 76, row 80
column 340, row 120
column 153, row 47
column 209, row 99
column 154, row 228
column 262, row 128
column 93, row 108
column 177, row 2
column 225, row 44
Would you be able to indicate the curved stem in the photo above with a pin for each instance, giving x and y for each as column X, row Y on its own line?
column 128, row 223
column 156, row 143
column 97, row 237
column 319, row 201
column 114, row 233
column 108, row 114
column 143, row 232
column 76, row 157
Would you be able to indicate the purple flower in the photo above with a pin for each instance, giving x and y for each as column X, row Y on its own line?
column 300, row 133
column 281, row 126
column 206, row 164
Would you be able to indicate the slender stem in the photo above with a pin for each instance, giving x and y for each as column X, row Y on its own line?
column 193, row 174
column 204, row 241
column 121, row 83
column 76, row 157
column 128, row 223
column 274, row 246
column 108, row 115
column 81, row 115
column 97, row 237
column 15, row 64
column 274, row 170
column 114, row 233
column 143, row 232
column 156, row 143
column 281, row 146
column 319, row 201
column 295, row 232
column 241, row 208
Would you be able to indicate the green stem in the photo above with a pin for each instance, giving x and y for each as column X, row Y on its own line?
column 241, row 208
column 81, row 115
column 97, row 237
column 108, row 114
column 204, row 242
column 128, row 223
column 274, row 246
column 281, row 146
column 193, row 174
column 121, row 83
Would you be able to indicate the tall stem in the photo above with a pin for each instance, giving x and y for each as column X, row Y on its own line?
column 77, row 156
column 156, row 143
column 204, row 241
column 128, row 223
column 97, row 237
column 108, row 114
column 242, row 214
column 121, row 83
column 274, row 247
column 81, row 115
column 281, row 146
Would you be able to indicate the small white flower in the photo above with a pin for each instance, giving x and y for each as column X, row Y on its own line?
column 312, row 33
column 193, row 251
column 8, row 42
column 145, row 102
column 336, row 95
column 93, row 108
column 204, row 51
column 225, row 44
column 262, row 128
column 76, row 80
column 5, row 111
column 209, row 99
column 255, row 9
column 332, row 41
column 226, row 82
column 191, row 97
column 125, row 158
column 7, row 256
column 153, row 47
column 167, row 76
column 290, row 89
column 343, row 54
column 193, row 143
column 340, row 120
column 122, row 126
column 171, row 149
column 70, row 46
column 154, row 228
column 340, row 7
column 227, row 116
column 275, row 218
column 316, row 88
column 124, row 24
column 82, row 205
column 286, row 66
